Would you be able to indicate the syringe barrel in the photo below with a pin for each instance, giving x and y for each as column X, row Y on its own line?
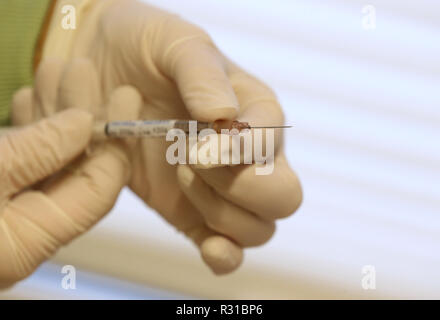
column 150, row 128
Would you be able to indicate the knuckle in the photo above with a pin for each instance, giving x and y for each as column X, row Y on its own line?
column 127, row 91
column 20, row 96
column 215, row 222
column 220, row 219
column 260, row 237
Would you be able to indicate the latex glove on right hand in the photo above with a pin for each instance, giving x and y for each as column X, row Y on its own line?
column 181, row 74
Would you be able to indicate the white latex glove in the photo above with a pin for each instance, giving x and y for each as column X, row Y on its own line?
column 50, row 191
column 181, row 74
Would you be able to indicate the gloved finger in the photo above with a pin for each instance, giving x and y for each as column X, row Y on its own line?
column 221, row 254
column 258, row 103
column 22, row 109
column 125, row 103
column 198, row 69
column 47, row 79
column 273, row 196
column 221, row 215
column 79, row 88
column 35, row 152
column 259, row 107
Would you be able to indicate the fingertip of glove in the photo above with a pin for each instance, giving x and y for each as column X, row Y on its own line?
column 221, row 254
column 125, row 103
column 74, row 125
column 79, row 119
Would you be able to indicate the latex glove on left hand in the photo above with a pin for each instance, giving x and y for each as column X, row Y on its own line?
column 50, row 191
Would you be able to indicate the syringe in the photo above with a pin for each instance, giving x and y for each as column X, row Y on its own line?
column 157, row 128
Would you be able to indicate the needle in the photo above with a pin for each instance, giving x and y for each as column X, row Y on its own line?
column 271, row 127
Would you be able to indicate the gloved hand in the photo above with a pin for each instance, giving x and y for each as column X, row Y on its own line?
column 50, row 191
column 181, row 74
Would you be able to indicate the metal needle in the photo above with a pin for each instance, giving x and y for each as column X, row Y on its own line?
column 271, row 127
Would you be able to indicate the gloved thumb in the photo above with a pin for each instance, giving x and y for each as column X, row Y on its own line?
column 199, row 71
column 37, row 151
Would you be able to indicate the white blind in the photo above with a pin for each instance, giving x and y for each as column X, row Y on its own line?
column 365, row 105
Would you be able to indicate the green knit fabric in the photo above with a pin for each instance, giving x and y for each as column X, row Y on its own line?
column 20, row 23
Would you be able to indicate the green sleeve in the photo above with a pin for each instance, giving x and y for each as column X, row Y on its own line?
column 20, row 24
